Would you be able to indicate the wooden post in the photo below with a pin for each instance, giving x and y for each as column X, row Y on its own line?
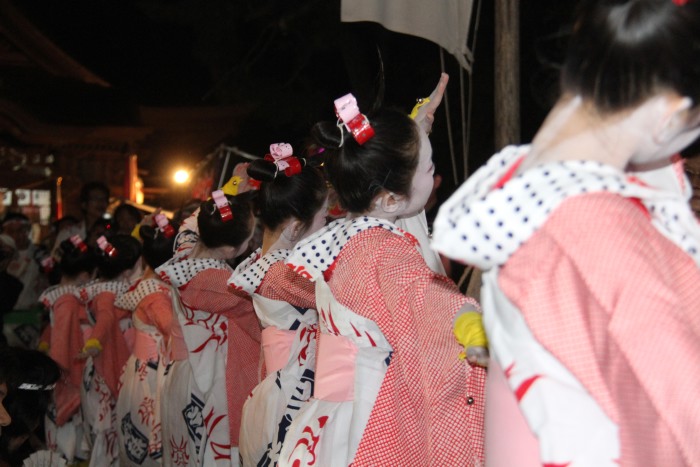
column 507, row 73
column 506, row 90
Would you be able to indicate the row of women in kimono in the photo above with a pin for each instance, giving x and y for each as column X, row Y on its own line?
column 330, row 344
column 342, row 343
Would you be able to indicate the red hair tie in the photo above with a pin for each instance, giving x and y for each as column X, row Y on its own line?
column 78, row 243
column 222, row 205
column 164, row 226
column 106, row 247
column 680, row 2
column 348, row 112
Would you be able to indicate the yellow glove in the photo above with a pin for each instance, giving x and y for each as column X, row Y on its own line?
column 43, row 347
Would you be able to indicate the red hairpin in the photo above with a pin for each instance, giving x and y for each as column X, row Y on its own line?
column 78, row 243
column 222, row 205
column 357, row 123
column 164, row 226
column 106, row 246
column 680, row 2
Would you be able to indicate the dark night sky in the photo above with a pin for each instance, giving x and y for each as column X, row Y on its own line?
column 289, row 60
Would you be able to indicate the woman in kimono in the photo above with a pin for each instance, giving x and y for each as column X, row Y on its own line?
column 203, row 396
column 149, row 299
column 390, row 386
column 591, row 252
column 292, row 205
column 107, row 349
column 70, row 329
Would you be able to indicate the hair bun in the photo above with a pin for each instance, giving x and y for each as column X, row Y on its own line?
column 327, row 134
column 262, row 169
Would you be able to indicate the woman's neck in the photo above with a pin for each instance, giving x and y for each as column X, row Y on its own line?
column 149, row 273
column 274, row 240
column 201, row 251
column 573, row 130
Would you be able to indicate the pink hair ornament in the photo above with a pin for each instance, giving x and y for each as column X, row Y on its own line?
column 357, row 123
column 283, row 157
column 107, row 247
column 78, row 243
column 222, row 205
column 164, row 226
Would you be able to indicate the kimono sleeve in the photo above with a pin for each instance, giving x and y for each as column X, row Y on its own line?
column 282, row 283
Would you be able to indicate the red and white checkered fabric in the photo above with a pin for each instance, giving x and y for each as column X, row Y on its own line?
column 429, row 410
column 622, row 307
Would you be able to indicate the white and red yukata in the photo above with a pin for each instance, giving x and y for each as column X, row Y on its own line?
column 285, row 305
column 138, row 404
column 111, row 327
column 390, row 388
column 591, row 301
column 204, row 395
column 69, row 326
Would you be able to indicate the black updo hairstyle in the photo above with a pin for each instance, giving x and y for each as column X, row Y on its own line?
column 214, row 232
column 281, row 197
column 623, row 51
column 157, row 248
column 386, row 162
column 128, row 253
column 72, row 260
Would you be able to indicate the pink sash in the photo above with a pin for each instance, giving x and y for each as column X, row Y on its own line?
column 145, row 346
column 276, row 346
column 129, row 333
column 86, row 329
column 335, row 369
column 178, row 347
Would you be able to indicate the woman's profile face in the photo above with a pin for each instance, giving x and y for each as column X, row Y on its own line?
column 422, row 183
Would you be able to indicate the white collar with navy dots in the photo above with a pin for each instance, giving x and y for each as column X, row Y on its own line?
column 250, row 273
column 315, row 254
column 483, row 226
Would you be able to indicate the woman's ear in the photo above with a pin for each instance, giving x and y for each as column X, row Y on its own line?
column 674, row 118
column 391, row 203
column 293, row 230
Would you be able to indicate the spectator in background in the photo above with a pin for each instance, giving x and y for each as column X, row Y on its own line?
column 24, row 266
column 27, row 380
column 94, row 199
column 126, row 218
column 10, row 286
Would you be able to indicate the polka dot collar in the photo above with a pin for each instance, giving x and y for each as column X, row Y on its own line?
column 49, row 296
column 92, row 290
column 250, row 273
column 315, row 254
column 179, row 273
column 483, row 226
column 139, row 290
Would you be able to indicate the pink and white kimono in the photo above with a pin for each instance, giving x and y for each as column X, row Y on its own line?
column 390, row 388
column 138, row 404
column 591, row 300
column 285, row 305
column 111, row 326
column 202, row 400
column 69, row 324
